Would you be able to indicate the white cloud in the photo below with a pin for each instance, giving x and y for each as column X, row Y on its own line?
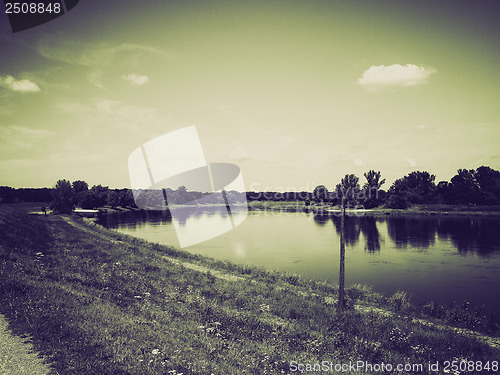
column 410, row 163
column 358, row 162
column 93, row 54
column 102, row 60
column 135, row 79
column 391, row 77
column 127, row 111
column 23, row 85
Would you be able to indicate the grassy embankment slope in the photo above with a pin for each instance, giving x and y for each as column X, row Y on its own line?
column 97, row 302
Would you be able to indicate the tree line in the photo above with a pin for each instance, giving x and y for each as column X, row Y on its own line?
column 479, row 186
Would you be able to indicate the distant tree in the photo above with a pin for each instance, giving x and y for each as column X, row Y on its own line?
column 7, row 194
column 79, row 186
column 443, row 193
column 464, row 188
column 371, row 189
column 320, row 194
column 95, row 197
column 480, row 186
column 100, row 194
column 417, row 187
column 113, row 198
column 179, row 195
column 349, row 189
column 120, row 198
column 62, row 197
column 397, row 201
column 488, row 181
column 79, row 190
column 126, row 198
column 33, row 195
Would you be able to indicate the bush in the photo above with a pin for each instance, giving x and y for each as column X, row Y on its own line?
column 62, row 198
column 397, row 201
column 400, row 301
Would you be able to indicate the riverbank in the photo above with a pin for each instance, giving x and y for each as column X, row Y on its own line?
column 423, row 209
column 326, row 209
column 95, row 301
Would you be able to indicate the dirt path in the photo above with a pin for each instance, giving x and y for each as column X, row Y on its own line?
column 17, row 356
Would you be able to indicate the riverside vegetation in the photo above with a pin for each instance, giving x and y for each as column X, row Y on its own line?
column 98, row 302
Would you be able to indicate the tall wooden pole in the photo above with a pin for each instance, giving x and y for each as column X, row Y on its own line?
column 342, row 258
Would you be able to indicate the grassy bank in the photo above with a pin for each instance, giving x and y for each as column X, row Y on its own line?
column 97, row 302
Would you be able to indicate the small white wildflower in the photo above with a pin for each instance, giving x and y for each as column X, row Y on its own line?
column 264, row 307
column 155, row 351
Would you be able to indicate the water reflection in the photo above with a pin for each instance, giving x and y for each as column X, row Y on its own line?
column 183, row 213
column 468, row 234
column 321, row 219
column 133, row 219
column 368, row 226
column 417, row 232
column 351, row 229
column 473, row 234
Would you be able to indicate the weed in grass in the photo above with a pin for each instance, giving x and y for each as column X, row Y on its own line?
column 399, row 301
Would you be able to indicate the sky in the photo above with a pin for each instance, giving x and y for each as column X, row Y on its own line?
column 296, row 93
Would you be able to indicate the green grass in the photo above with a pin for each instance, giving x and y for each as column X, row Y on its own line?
column 97, row 302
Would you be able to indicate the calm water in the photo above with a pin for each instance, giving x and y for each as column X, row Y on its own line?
column 443, row 259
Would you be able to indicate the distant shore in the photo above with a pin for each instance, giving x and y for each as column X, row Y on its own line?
column 326, row 209
column 424, row 210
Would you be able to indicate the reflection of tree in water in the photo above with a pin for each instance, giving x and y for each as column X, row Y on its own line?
column 134, row 218
column 351, row 229
column 182, row 213
column 416, row 232
column 321, row 219
column 368, row 226
column 471, row 234
column 353, row 226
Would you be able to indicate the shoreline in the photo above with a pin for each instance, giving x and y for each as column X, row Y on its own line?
column 298, row 206
column 421, row 210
